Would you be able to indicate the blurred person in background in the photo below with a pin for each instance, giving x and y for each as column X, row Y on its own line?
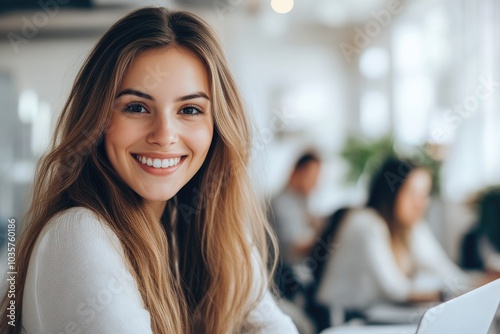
column 481, row 246
column 296, row 226
column 386, row 252
column 297, row 230
column 143, row 218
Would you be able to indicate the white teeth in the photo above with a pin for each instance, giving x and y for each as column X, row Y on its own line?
column 158, row 163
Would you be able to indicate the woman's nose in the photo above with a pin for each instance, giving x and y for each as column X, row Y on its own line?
column 164, row 131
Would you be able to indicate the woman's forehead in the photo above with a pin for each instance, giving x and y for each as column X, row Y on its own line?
column 172, row 70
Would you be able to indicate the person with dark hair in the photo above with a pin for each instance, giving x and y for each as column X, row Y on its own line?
column 489, row 227
column 296, row 228
column 380, row 253
column 481, row 245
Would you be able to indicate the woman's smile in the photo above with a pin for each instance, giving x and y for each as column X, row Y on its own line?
column 158, row 162
column 158, row 165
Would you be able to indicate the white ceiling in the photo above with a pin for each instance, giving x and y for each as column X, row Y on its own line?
column 334, row 13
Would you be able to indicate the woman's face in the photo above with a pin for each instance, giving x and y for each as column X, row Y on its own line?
column 413, row 197
column 162, row 124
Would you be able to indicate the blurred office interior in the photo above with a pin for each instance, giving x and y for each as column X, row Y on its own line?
column 330, row 74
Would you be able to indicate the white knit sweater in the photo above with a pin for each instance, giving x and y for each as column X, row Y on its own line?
column 78, row 282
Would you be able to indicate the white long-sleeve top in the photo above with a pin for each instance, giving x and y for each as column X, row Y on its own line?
column 362, row 269
column 78, row 282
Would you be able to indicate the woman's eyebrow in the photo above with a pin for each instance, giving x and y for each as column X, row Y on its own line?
column 196, row 95
column 193, row 96
column 129, row 91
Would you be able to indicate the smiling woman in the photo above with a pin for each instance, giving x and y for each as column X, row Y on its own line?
column 143, row 219
column 159, row 135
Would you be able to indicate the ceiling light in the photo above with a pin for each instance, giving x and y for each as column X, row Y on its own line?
column 282, row 6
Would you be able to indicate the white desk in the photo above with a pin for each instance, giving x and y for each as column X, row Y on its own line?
column 407, row 329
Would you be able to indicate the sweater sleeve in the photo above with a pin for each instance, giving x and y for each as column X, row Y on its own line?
column 78, row 281
column 432, row 258
column 267, row 315
column 374, row 239
column 270, row 318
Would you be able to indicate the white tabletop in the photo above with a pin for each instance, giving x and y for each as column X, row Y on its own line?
column 407, row 329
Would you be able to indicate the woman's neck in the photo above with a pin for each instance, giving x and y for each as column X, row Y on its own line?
column 157, row 208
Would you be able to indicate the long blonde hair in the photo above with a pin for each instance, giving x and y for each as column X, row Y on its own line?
column 215, row 220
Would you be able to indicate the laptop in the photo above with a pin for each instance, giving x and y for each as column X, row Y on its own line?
column 470, row 313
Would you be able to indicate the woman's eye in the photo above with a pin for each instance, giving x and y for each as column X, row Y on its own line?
column 190, row 111
column 135, row 107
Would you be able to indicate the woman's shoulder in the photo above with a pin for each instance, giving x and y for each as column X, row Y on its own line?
column 365, row 219
column 75, row 215
column 362, row 226
column 74, row 219
column 421, row 232
column 77, row 229
column 78, row 275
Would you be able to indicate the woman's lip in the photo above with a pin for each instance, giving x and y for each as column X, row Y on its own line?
column 159, row 155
